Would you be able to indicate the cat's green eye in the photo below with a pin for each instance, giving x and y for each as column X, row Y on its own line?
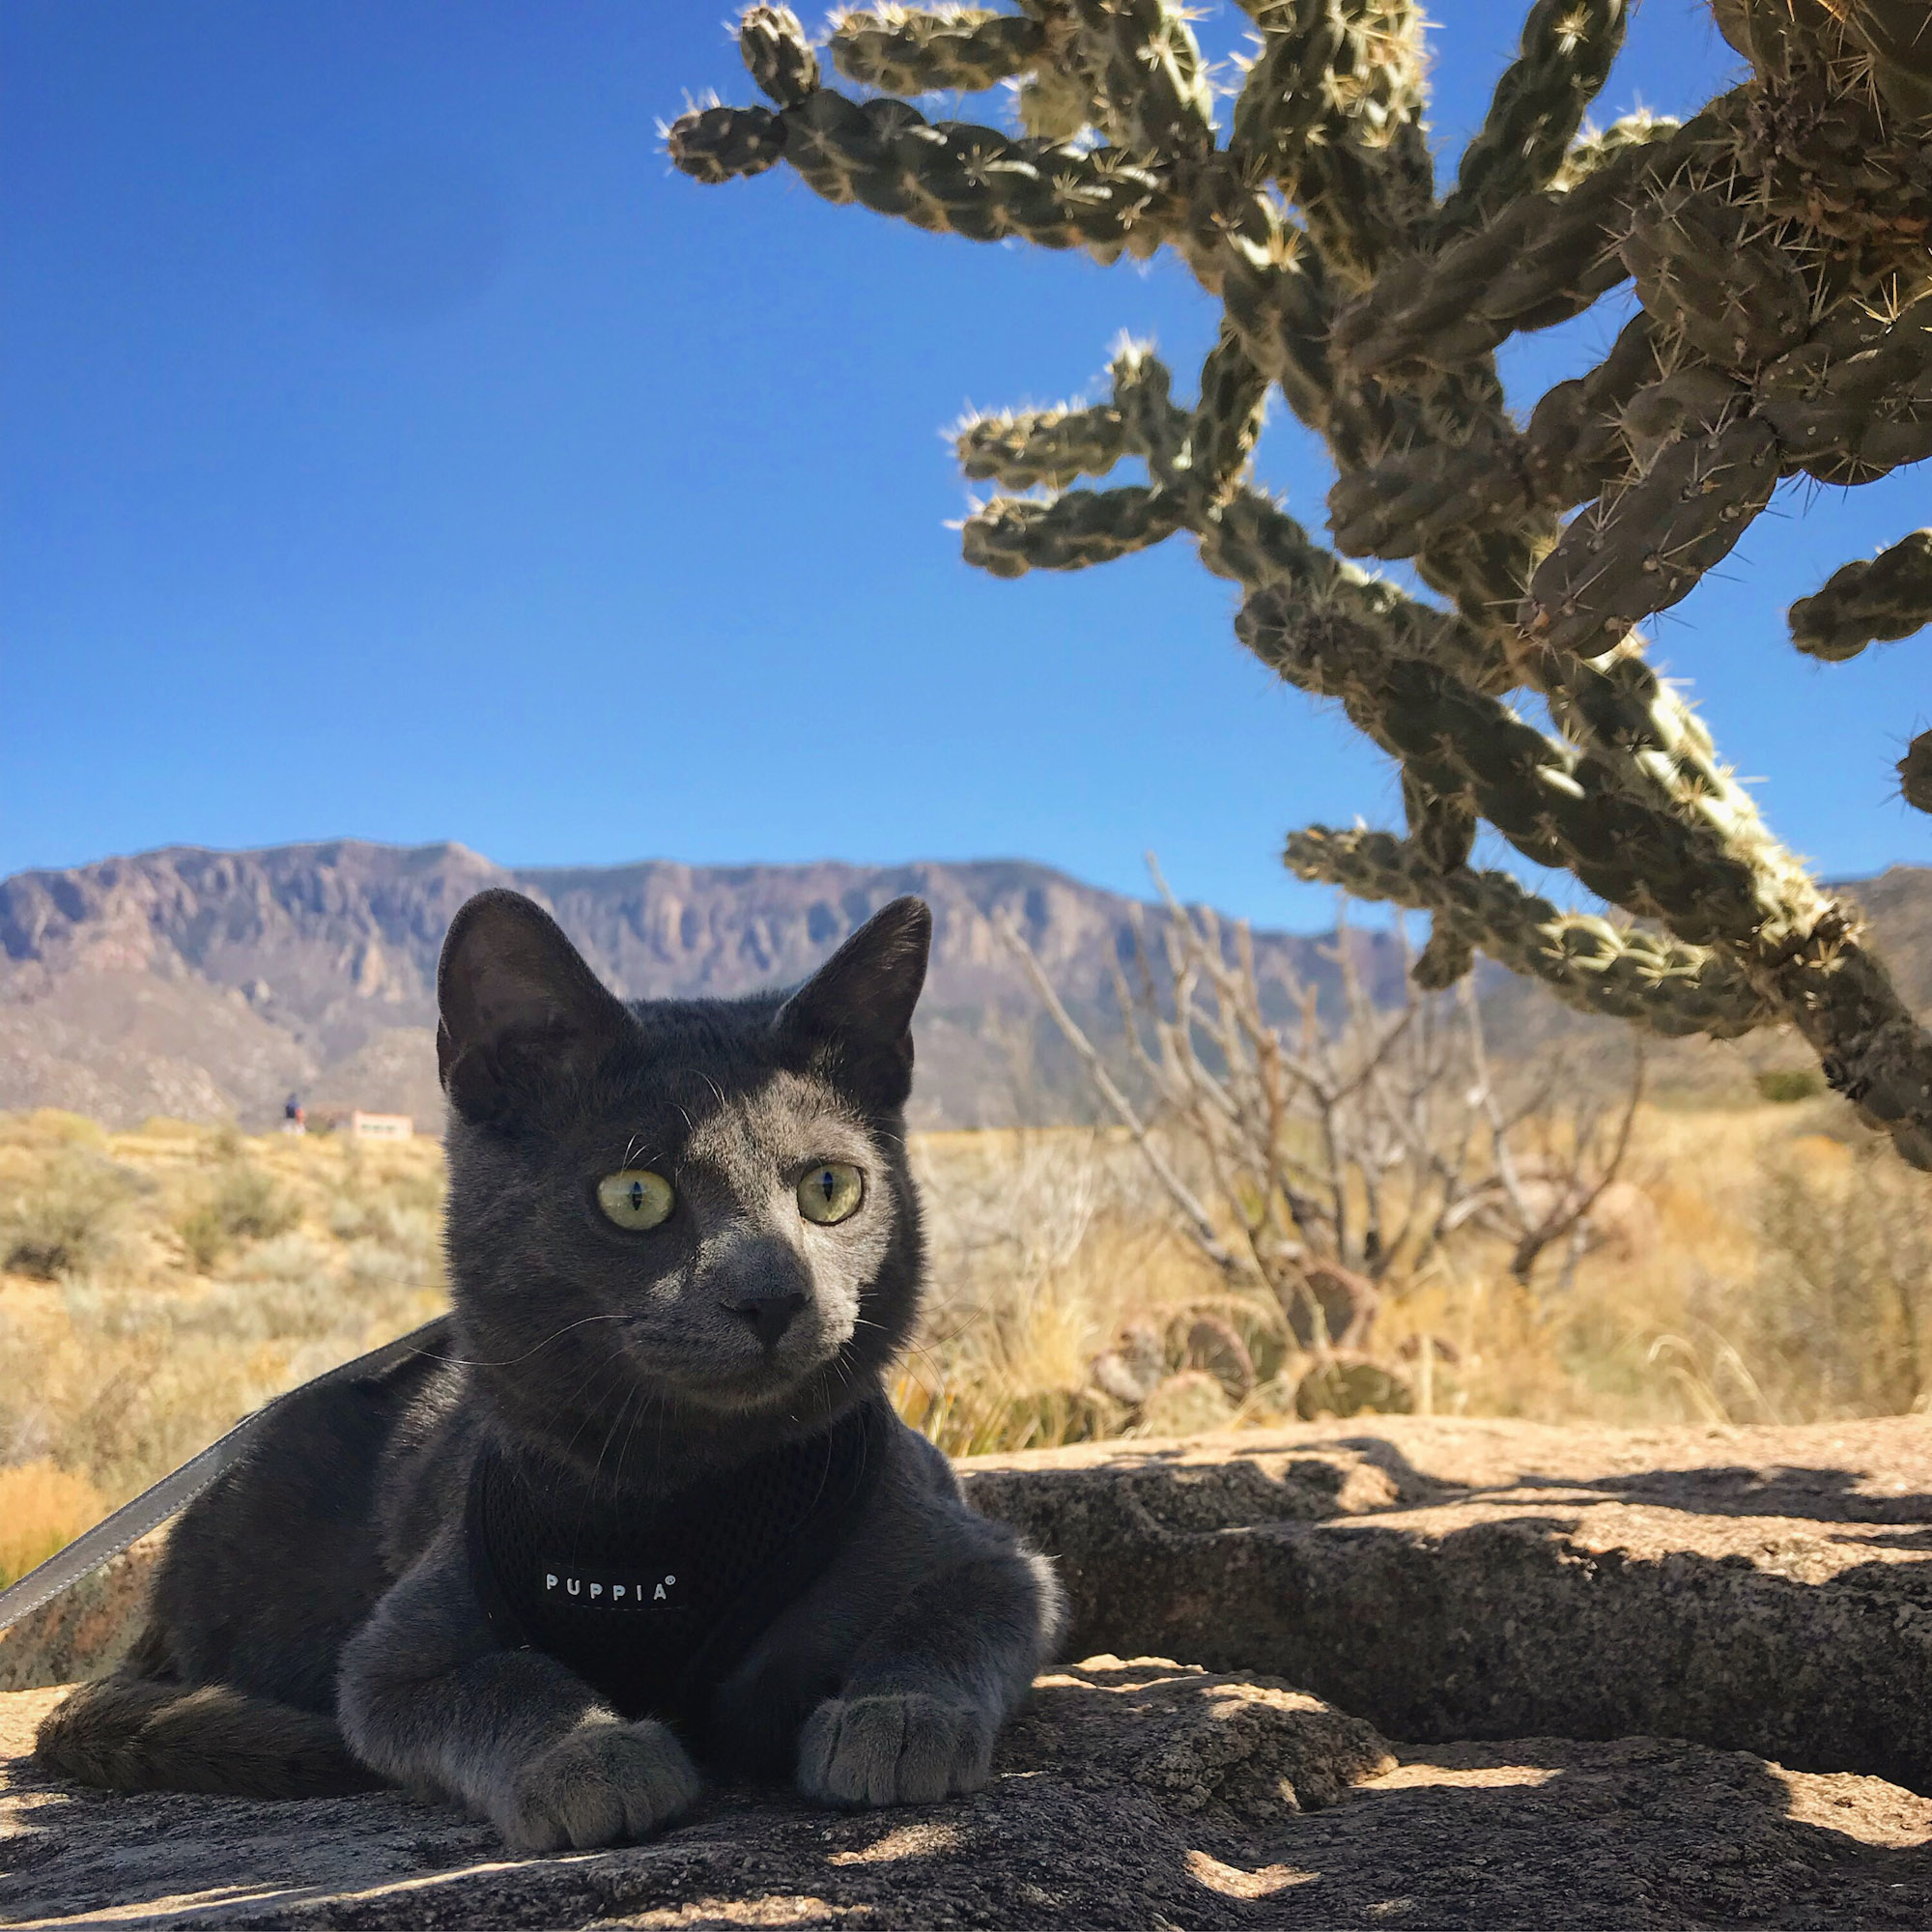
column 831, row 1192
column 636, row 1198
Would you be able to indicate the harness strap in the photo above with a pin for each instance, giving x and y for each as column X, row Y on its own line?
column 173, row 1493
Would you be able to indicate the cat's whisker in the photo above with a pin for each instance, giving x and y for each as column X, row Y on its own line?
column 512, row 1361
column 624, row 1414
column 605, row 1365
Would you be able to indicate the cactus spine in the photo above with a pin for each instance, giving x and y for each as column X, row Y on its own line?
column 1777, row 243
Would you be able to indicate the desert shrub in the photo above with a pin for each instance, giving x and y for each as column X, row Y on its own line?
column 144, row 1350
column 1044, row 1242
column 413, row 1230
column 1785, row 1086
column 244, row 1205
column 50, row 1128
column 1838, row 1319
column 70, row 1219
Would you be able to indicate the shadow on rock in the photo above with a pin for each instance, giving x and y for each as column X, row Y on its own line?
column 1136, row 1793
column 1501, row 1611
column 1820, row 1495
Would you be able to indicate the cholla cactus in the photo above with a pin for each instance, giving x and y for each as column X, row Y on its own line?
column 1779, row 246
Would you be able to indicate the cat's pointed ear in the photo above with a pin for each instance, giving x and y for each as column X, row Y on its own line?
column 516, row 1006
column 852, row 1019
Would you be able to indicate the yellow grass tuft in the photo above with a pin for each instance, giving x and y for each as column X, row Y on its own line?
column 42, row 1508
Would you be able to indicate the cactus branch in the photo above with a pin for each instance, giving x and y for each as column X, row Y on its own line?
column 904, row 50
column 1777, row 241
column 1652, row 980
column 1539, row 102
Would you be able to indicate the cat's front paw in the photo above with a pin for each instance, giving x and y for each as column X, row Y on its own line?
column 905, row 1749
column 603, row 1784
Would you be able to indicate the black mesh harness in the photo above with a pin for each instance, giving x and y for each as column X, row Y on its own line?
column 653, row 1602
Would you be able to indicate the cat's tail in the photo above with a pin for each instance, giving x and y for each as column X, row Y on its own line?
column 133, row 1733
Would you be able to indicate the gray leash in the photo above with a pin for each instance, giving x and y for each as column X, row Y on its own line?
column 173, row 1493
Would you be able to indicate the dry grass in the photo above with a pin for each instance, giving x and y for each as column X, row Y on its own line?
column 42, row 1508
column 1044, row 1244
column 1777, row 1268
column 161, row 1284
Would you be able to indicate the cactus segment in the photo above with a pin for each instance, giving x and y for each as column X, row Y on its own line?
column 1013, row 535
column 1276, row 294
column 1855, row 400
column 1775, row 36
column 1833, row 159
column 1449, row 956
column 1330, row 110
column 1898, row 38
column 1647, row 977
column 1700, row 271
column 1640, row 547
column 954, row 178
column 1203, row 452
column 1396, row 508
column 1888, row 38
column 1227, row 418
column 1366, row 182
column 1591, row 150
column 1573, row 446
column 1545, row 258
column 908, row 50
column 1559, row 805
column 1049, row 446
column 778, row 54
column 1146, row 70
column 1441, row 827
column 714, row 145
column 946, row 177
column 1868, row 601
column 1693, row 400
column 1253, row 541
column 1538, row 104
column 1055, row 106
column 1284, row 100
column 1914, row 773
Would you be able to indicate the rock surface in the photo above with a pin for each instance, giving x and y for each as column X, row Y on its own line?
column 86, row 1631
column 1766, row 1590
column 1522, row 1602
column 1132, row 1794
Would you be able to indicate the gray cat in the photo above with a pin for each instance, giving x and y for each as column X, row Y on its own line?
column 648, row 1508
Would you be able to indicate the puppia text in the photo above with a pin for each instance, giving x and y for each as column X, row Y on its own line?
column 608, row 1593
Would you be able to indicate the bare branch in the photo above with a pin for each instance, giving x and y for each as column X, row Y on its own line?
column 1202, row 1227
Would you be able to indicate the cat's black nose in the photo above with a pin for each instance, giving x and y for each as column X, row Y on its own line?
column 770, row 1315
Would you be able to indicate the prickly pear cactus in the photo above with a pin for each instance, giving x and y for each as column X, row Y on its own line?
column 1779, row 245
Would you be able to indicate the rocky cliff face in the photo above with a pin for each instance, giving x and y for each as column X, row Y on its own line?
column 211, row 984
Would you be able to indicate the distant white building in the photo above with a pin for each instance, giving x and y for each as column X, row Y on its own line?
column 381, row 1126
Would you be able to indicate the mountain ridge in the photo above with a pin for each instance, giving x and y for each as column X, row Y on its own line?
column 207, row 983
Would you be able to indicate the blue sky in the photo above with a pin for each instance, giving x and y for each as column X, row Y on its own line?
column 395, row 446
